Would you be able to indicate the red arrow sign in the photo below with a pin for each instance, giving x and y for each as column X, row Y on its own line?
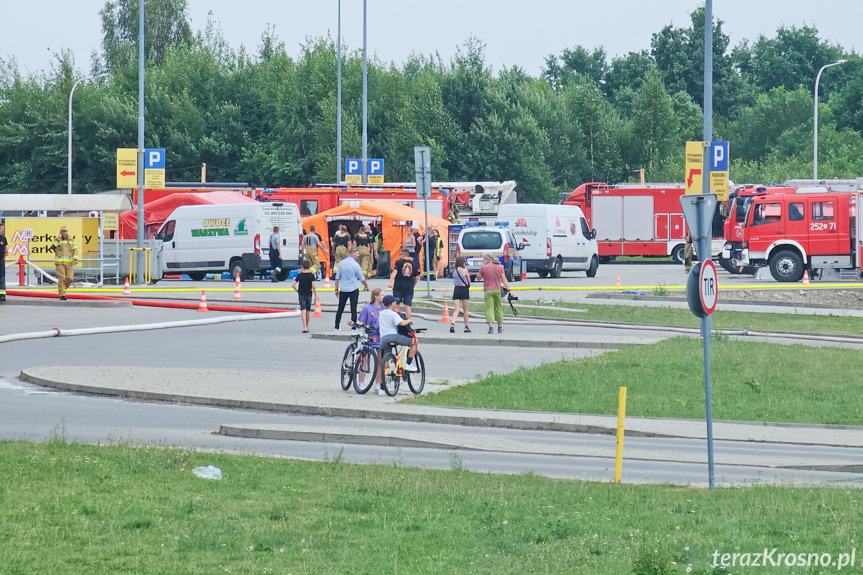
column 692, row 173
column 125, row 173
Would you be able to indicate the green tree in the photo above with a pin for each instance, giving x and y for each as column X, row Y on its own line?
column 575, row 62
column 166, row 26
column 655, row 128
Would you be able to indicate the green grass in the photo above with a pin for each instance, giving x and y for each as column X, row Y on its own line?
column 73, row 509
column 722, row 319
column 751, row 382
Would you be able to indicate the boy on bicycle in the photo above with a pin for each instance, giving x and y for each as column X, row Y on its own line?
column 389, row 321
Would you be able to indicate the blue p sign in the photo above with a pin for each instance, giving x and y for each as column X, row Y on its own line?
column 353, row 167
column 154, row 159
column 376, row 167
column 718, row 156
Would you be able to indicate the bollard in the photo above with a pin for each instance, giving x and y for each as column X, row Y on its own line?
column 21, row 273
column 621, row 414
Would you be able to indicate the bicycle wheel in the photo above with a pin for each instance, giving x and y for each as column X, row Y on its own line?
column 417, row 379
column 390, row 374
column 365, row 370
column 347, row 370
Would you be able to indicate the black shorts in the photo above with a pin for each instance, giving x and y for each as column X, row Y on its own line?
column 405, row 297
column 460, row 293
column 306, row 302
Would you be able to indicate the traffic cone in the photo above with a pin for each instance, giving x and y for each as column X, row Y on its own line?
column 203, row 305
column 318, row 312
column 237, row 294
column 445, row 317
column 806, row 277
column 327, row 282
column 126, row 289
column 617, row 283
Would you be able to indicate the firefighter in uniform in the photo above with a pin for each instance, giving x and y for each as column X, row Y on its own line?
column 311, row 243
column 363, row 240
column 341, row 245
column 65, row 257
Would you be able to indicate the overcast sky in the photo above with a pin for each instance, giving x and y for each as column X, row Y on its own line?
column 516, row 32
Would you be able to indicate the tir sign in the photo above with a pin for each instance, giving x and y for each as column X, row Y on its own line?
column 708, row 286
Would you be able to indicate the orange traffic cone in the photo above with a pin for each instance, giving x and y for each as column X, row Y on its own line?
column 237, row 294
column 318, row 312
column 445, row 317
column 203, row 305
column 126, row 289
column 617, row 283
column 327, row 282
column 806, row 277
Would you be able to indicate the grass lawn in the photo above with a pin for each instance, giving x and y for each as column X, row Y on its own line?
column 73, row 509
column 751, row 382
column 722, row 319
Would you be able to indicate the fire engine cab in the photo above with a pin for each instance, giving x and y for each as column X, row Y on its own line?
column 791, row 233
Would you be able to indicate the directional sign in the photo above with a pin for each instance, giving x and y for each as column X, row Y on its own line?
column 353, row 171
column 694, row 166
column 719, row 170
column 422, row 168
column 376, row 172
column 154, row 168
column 708, row 286
column 127, row 168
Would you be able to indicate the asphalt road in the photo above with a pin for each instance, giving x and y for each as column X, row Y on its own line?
column 31, row 413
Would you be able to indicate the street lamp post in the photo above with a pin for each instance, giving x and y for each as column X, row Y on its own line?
column 72, row 93
column 815, row 134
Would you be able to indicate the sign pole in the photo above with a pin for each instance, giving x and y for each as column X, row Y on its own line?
column 705, row 227
column 422, row 167
column 140, row 255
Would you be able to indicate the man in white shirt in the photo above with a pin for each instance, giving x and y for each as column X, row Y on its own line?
column 388, row 322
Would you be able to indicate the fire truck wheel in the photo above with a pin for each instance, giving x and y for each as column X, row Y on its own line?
column 556, row 268
column 786, row 266
column 594, row 265
column 677, row 254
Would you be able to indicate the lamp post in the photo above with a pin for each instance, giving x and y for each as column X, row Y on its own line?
column 815, row 135
column 72, row 93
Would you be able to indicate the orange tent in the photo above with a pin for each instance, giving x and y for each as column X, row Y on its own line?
column 392, row 218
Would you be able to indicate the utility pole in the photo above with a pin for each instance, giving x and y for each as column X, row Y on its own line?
column 140, row 256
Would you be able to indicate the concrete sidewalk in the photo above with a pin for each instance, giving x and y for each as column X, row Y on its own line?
column 318, row 394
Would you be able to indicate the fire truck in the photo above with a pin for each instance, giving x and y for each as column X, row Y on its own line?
column 739, row 199
column 638, row 219
column 792, row 233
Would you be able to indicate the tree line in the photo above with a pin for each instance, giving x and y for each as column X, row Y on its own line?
column 269, row 118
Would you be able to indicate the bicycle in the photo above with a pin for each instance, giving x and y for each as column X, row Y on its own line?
column 360, row 362
column 393, row 368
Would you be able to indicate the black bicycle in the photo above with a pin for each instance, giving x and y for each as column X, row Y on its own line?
column 360, row 362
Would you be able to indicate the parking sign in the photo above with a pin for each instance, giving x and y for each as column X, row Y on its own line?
column 353, row 171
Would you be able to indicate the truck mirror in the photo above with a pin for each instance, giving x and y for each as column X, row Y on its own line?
column 593, row 234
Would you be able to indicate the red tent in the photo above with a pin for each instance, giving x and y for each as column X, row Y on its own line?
column 157, row 211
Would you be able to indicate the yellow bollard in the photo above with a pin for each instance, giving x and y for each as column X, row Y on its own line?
column 621, row 415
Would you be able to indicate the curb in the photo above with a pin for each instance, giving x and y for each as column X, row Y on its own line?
column 507, row 342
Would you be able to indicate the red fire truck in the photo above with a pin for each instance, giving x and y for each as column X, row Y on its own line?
column 637, row 219
column 739, row 199
column 791, row 233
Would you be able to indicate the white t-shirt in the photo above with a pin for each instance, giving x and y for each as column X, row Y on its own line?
column 388, row 322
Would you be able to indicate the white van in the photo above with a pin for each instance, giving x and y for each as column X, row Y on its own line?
column 197, row 240
column 556, row 238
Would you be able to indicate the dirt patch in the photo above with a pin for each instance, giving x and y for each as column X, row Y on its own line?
column 825, row 297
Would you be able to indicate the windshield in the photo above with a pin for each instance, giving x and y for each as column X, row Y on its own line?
column 481, row 240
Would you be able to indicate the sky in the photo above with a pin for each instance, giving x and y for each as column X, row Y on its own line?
column 515, row 32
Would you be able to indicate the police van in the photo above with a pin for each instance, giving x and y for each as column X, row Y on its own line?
column 475, row 239
column 556, row 238
column 197, row 240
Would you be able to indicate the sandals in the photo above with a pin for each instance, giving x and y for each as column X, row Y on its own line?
column 466, row 329
column 499, row 329
column 452, row 328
